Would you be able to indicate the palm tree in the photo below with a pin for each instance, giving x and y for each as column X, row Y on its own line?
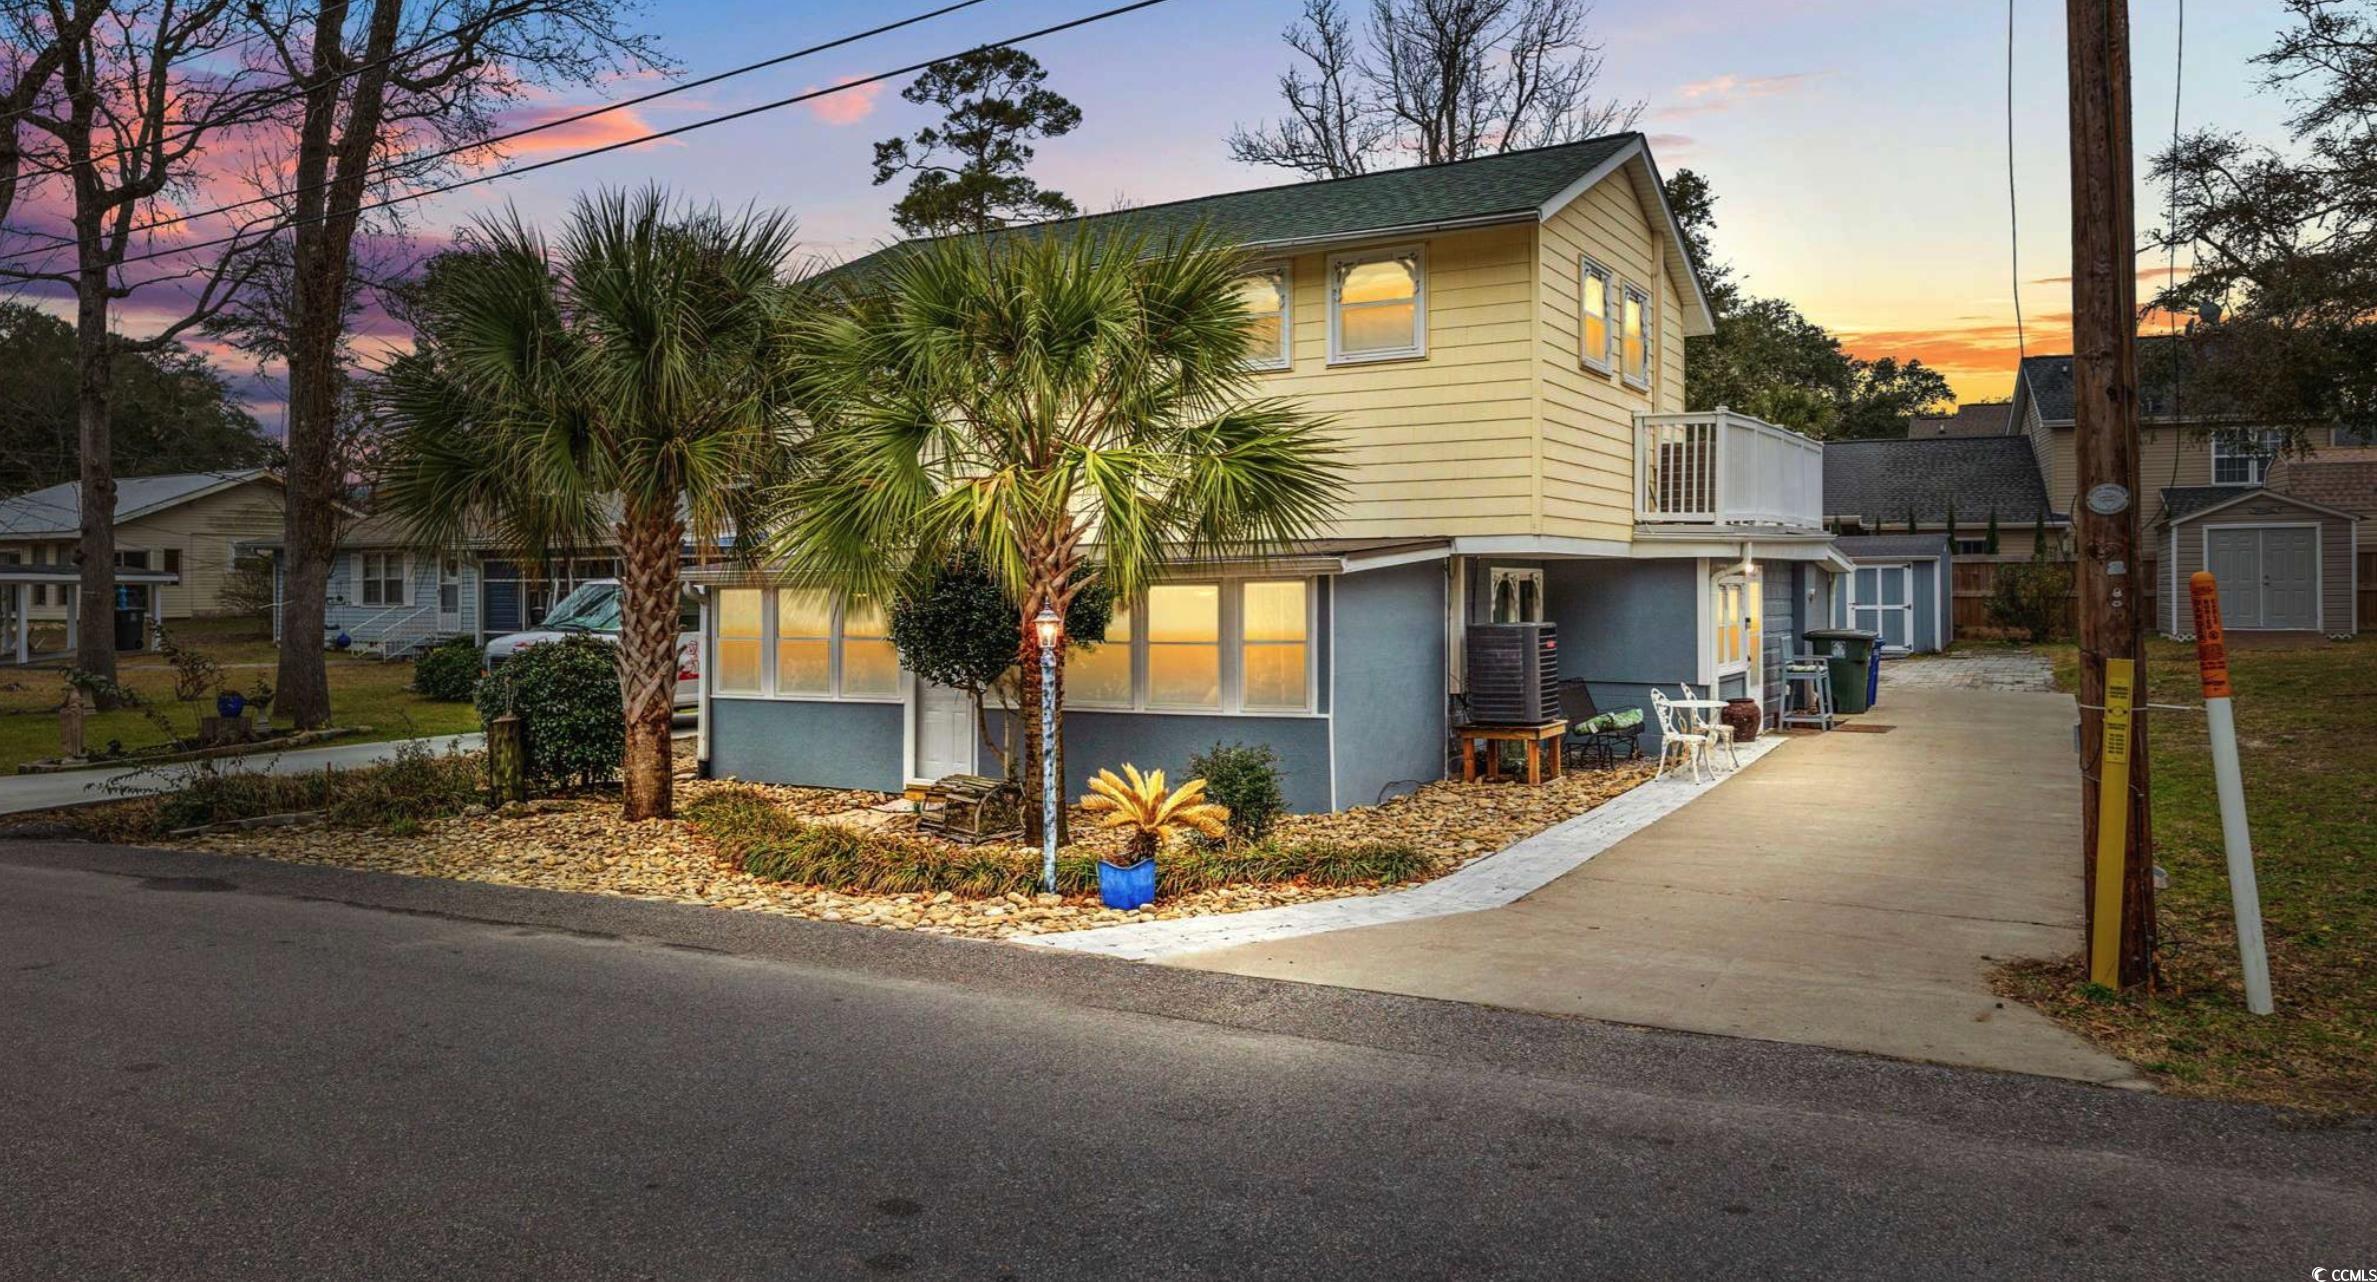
column 625, row 377
column 1065, row 404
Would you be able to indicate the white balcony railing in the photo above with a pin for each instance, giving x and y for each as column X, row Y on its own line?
column 1721, row 468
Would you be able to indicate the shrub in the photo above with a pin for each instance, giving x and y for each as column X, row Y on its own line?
column 566, row 694
column 418, row 785
column 194, row 671
column 774, row 845
column 448, row 671
column 1245, row 779
column 2031, row 597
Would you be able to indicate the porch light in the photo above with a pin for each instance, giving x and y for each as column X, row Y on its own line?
column 1050, row 627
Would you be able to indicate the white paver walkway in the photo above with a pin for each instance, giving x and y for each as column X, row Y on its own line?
column 20, row 793
column 1498, row 879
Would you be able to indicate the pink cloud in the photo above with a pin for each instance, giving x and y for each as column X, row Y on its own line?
column 1723, row 93
column 849, row 106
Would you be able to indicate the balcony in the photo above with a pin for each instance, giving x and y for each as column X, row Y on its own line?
column 1722, row 468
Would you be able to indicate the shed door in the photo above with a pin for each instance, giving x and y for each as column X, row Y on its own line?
column 1883, row 600
column 2234, row 558
column 2290, row 578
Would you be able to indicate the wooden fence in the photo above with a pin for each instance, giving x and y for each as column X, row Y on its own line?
column 1976, row 579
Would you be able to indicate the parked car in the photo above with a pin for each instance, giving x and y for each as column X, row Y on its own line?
column 592, row 609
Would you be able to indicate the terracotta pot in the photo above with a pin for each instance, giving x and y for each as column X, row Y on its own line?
column 1745, row 716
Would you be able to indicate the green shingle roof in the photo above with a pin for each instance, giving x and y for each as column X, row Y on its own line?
column 1509, row 185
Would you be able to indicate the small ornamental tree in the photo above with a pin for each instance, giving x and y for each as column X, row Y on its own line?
column 960, row 629
column 1991, row 545
column 1951, row 527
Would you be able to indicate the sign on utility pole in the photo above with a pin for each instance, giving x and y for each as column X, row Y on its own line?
column 2105, row 417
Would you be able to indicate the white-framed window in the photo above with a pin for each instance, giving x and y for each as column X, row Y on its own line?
column 1378, row 303
column 380, row 578
column 449, row 585
column 1269, row 295
column 1514, row 595
column 2243, row 457
column 1634, row 337
column 1972, row 547
column 1227, row 646
column 803, row 643
column 1597, row 315
column 742, row 633
column 1734, row 613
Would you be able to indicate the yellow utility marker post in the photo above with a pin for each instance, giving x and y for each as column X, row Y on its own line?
column 2112, row 828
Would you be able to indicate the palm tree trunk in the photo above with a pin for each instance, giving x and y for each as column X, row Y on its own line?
column 650, row 536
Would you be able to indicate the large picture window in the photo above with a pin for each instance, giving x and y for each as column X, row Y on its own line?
column 804, row 643
column 1377, row 306
column 1236, row 646
column 1270, row 329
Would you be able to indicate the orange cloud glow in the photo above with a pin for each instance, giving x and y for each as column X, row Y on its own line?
column 849, row 106
column 594, row 131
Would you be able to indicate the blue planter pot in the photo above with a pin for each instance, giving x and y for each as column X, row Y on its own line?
column 1126, row 888
column 342, row 641
column 229, row 704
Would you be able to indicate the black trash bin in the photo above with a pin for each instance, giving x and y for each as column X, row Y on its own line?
column 1849, row 652
column 132, row 620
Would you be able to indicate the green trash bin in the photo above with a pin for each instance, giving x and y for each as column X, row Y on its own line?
column 1849, row 652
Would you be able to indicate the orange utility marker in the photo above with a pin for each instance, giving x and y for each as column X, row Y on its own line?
column 2112, row 823
column 2228, row 780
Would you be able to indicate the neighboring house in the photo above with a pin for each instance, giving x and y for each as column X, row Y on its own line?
column 1510, row 401
column 1982, row 418
column 389, row 597
column 1903, row 588
column 2179, row 446
column 1876, row 487
column 2283, row 562
column 2340, row 476
column 193, row 526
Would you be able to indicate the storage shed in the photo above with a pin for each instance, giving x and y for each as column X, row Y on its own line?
column 2284, row 563
column 1902, row 588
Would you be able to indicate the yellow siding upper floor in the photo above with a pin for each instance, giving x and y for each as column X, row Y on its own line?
column 1496, row 429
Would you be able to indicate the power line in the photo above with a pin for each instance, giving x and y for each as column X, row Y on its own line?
column 656, row 136
column 2013, row 206
column 588, row 114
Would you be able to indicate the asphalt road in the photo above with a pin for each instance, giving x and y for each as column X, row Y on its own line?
column 222, row 1068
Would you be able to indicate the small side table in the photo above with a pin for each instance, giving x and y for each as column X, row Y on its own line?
column 1811, row 684
column 1475, row 737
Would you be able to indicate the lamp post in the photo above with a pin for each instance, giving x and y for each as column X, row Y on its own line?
column 1050, row 629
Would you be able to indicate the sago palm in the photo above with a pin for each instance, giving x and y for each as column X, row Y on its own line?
column 1152, row 813
column 1064, row 403
column 621, row 381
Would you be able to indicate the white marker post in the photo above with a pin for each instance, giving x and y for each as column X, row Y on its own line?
column 2228, row 780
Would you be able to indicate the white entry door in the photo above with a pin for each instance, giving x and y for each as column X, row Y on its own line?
column 1882, row 599
column 946, row 735
column 449, row 594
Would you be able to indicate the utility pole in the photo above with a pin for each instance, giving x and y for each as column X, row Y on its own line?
column 2105, row 414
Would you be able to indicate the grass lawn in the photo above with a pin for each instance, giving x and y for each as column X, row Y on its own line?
column 2304, row 728
column 362, row 693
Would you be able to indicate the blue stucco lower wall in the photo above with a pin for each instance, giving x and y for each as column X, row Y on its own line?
column 1389, row 691
column 1625, row 627
column 814, row 743
column 1097, row 741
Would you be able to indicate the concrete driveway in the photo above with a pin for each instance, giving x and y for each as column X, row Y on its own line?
column 1852, row 891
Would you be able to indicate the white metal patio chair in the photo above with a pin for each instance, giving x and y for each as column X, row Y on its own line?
column 1675, row 738
column 1713, row 724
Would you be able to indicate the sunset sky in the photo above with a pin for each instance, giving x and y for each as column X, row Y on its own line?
column 1858, row 146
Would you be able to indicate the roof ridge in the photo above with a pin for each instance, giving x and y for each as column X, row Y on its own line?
column 1303, row 185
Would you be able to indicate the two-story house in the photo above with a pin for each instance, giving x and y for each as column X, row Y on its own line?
column 1500, row 346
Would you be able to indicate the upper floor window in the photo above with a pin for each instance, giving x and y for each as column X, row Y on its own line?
column 1377, row 306
column 1596, row 296
column 2361, row 434
column 1269, row 328
column 2243, row 457
column 1635, row 337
